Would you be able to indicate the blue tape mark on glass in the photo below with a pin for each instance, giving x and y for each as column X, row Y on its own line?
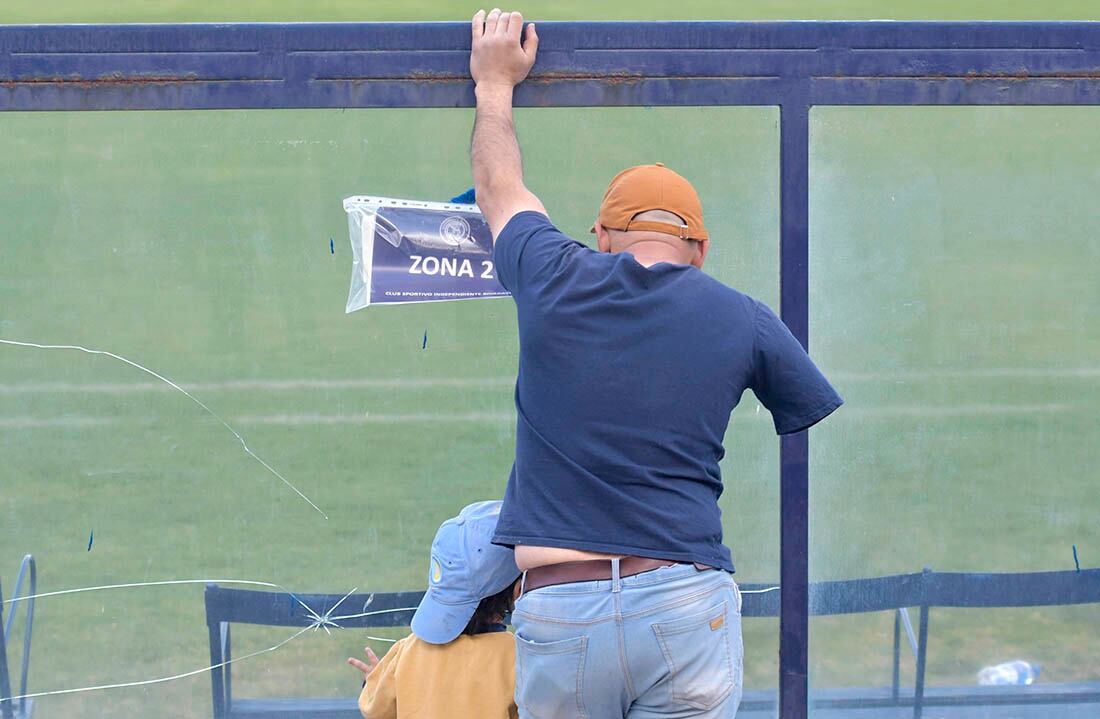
column 466, row 198
column 425, row 344
column 1075, row 562
column 91, row 538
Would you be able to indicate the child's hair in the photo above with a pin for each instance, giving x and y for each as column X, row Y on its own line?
column 491, row 611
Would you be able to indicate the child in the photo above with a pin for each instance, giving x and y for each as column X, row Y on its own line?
column 459, row 662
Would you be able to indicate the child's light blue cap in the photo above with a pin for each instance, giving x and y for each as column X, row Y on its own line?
column 466, row 567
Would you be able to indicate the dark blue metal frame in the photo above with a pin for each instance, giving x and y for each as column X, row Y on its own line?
column 794, row 65
column 227, row 606
column 927, row 589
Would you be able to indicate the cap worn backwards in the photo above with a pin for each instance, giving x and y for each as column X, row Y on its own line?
column 652, row 187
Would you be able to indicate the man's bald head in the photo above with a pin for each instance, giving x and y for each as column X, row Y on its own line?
column 650, row 247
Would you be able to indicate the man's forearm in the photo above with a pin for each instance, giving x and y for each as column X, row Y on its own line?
column 494, row 151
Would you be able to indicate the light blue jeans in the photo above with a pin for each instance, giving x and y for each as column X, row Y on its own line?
column 664, row 643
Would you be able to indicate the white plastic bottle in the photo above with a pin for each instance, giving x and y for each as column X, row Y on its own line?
column 1019, row 673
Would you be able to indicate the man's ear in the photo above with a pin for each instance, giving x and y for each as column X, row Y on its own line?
column 700, row 255
column 603, row 238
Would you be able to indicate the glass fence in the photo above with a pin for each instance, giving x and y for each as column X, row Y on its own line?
column 954, row 300
column 210, row 248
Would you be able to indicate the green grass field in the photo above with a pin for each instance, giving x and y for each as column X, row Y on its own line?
column 953, row 258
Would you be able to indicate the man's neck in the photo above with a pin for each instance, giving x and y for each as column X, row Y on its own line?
column 649, row 258
column 652, row 252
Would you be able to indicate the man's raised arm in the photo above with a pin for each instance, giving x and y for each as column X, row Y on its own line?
column 498, row 62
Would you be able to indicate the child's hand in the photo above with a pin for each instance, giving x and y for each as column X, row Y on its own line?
column 365, row 667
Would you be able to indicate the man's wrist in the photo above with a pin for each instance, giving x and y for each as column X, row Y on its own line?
column 489, row 91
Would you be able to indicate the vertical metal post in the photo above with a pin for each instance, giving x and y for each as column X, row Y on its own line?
column 794, row 141
column 6, row 710
column 217, row 672
column 895, row 684
column 922, row 643
column 227, row 673
column 922, row 664
column 217, row 653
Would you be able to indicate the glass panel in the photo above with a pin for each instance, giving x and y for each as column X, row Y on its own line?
column 197, row 244
column 954, row 301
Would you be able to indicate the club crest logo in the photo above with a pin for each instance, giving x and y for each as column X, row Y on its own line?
column 454, row 230
column 435, row 574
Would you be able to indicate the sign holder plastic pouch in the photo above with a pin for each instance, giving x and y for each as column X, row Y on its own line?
column 406, row 251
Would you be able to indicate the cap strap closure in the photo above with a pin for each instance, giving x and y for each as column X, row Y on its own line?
column 668, row 228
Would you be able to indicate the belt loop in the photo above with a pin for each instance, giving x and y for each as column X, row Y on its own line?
column 522, row 583
column 616, row 575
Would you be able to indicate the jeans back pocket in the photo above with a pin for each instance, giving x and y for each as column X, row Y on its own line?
column 550, row 678
column 697, row 652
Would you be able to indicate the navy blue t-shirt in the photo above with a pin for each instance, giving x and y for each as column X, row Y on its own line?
column 627, row 377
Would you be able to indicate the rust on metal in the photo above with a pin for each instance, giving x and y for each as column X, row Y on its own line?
column 974, row 76
column 540, row 78
column 614, row 78
column 430, row 76
column 111, row 80
column 1023, row 75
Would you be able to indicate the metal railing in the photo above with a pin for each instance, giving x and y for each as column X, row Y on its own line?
column 27, row 572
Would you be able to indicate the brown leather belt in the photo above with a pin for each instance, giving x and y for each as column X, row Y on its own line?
column 588, row 570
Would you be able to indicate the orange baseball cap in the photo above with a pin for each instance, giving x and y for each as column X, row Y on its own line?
column 652, row 187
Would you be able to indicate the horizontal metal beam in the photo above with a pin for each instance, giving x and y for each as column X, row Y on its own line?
column 121, row 67
column 552, row 64
column 954, row 91
column 389, row 36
